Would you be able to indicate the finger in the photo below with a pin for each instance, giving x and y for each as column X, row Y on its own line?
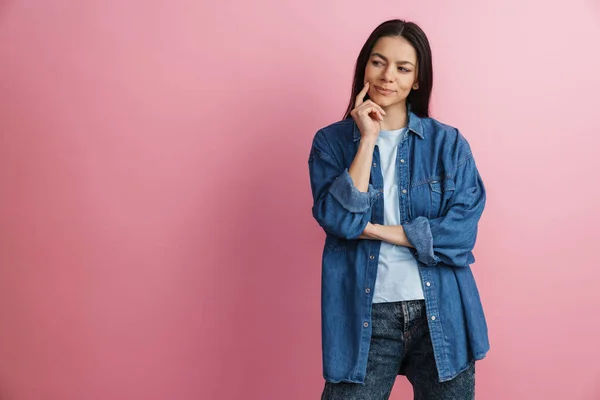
column 361, row 95
column 375, row 105
column 372, row 110
column 378, row 115
column 365, row 110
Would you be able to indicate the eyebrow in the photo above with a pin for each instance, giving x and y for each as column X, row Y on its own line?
column 386, row 60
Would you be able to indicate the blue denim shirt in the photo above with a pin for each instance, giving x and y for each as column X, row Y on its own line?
column 442, row 198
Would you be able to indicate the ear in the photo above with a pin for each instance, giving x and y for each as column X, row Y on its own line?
column 416, row 82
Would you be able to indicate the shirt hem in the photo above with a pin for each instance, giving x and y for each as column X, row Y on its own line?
column 476, row 358
column 345, row 380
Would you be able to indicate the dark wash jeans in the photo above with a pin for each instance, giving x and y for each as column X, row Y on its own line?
column 400, row 344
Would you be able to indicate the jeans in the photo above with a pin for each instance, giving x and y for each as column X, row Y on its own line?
column 400, row 344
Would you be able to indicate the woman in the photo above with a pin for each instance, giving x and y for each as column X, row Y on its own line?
column 399, row 197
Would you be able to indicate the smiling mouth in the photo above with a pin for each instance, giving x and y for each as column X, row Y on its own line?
column 379, row 88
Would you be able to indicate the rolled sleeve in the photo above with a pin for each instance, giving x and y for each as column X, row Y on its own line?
column 450, row 239
column 338, row 206
column 419, row 235
column 345, row 192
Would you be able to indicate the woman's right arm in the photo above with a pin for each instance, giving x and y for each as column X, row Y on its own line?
column 342, row 197
column 339, row 207
column 368, row 117
column 360, row 169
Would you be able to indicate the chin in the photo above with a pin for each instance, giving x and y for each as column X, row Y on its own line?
column 387, row 102
column 384, row 101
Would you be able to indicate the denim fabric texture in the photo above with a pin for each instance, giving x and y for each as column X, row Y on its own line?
column 400, row 344
column 441, row 197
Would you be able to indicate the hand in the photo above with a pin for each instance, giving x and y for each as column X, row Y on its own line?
column 367, row 115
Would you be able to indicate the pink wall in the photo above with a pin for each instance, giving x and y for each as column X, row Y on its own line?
column 156, row 240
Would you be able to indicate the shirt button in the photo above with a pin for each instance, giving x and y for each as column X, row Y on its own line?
column 402, row 160
column 404, row 191
column 372, row 257
column 428, row 283
column 374, row 164
column 366, row 324
column 433, row 317
column 367, row 290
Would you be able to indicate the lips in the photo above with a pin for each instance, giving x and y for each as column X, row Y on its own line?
column 383, row 90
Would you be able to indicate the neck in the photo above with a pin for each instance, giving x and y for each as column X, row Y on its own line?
column 396, row 117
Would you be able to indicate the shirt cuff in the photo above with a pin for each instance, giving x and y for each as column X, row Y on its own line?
column 352, row 199
column 418, row 233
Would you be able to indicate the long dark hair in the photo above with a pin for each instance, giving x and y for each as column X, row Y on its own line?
column 418, row 100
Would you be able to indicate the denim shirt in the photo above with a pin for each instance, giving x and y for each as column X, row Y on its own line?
column 442, row 198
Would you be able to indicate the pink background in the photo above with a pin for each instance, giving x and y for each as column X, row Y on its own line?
column 156, row 239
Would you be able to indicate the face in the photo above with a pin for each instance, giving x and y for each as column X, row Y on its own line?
column 391, row 71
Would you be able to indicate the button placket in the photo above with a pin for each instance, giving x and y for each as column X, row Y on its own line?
column 402, row 179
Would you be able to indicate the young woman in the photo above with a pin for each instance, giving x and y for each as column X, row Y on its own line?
column 399, row 197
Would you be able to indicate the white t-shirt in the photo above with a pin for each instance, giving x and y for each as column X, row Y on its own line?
column 398, row 276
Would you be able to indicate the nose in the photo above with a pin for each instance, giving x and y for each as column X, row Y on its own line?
column 388, row 73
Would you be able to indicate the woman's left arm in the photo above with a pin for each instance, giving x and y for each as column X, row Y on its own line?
column 449, row 239
column 393, row 234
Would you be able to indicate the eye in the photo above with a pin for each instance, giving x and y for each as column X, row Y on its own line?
column 376, row 63
column 402, row 69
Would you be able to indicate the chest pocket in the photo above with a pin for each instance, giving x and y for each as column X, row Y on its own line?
column 440, row 193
